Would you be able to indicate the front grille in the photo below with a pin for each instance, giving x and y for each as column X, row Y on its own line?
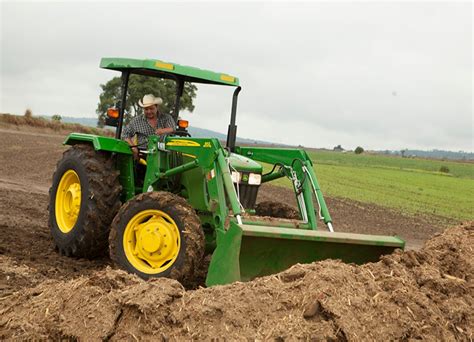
column 248, row 194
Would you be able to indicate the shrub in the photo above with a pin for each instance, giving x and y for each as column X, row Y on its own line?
column 444, row 169
column 56, row 117
column 358, row 150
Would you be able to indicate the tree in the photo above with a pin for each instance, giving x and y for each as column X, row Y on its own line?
column 137, row 87
column 56, row 118
column 358, row 150
column 444, row 169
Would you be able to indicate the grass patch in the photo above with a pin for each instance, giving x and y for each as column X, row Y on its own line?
column 414, row 186
column 454, row 168
column 408, row 191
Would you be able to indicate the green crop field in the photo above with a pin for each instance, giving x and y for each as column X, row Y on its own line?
column 414, row 186
column 456, row 169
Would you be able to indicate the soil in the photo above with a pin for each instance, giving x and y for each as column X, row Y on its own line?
column 423, row 293
column 356, row 217
column 276, row 209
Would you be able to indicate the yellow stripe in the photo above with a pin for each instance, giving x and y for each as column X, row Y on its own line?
column 187, row 143
column 228, row 78
column 163, row 65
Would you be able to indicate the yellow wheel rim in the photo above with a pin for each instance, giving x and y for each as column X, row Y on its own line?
column 68, row 201
column 151, row 241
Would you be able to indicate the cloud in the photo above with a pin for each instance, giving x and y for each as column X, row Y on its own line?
column 380, row 75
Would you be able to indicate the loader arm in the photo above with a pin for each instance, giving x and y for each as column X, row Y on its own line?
column 210, row 158
column 251, row 249
column 296, row 163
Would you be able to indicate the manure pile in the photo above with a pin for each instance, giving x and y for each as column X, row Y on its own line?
column 425, row 294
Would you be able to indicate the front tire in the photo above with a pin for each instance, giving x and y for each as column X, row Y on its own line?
column 157, row 234
column 83, row 199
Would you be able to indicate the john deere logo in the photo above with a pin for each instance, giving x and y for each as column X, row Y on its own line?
column 186, row 143
column 207, row 144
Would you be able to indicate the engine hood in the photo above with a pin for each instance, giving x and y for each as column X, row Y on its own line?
column 244, row 164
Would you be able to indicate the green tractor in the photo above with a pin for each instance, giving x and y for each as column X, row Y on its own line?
column 195, row 197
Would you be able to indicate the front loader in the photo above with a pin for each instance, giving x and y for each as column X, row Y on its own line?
column 195, row 197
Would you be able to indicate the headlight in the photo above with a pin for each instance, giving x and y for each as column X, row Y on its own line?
column 255, row 179
column 235, row 177
column 246, row 178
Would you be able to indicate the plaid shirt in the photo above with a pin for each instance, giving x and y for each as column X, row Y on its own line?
column 140, row 126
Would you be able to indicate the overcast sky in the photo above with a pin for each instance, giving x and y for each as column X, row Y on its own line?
column 386, row 75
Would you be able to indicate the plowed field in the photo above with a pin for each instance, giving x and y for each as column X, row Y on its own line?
column 426, row 292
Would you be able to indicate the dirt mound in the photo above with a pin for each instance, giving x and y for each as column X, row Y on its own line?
column 425, row 294
column 26, row 243
column 276, row 209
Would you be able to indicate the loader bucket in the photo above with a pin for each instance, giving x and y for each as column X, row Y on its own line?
column 247, row 251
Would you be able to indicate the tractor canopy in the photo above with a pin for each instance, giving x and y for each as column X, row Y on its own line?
column 158, row 68
column 180, row 74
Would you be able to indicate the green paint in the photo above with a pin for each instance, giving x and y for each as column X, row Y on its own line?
column 245, row 164
column 225, row 267
column 180, row 169
column 282, row 224
column 124, row 161
column 189, row 74
column 322, row 202
column 217, row 201
column 247, row 252
column 296, row 159
column 308, row 199
column 272, row 155
column 126, row 177
column 272, row 176
column 100, row 143
column 228, row 185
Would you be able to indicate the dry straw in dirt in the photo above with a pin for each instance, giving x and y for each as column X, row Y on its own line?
column 425, row 294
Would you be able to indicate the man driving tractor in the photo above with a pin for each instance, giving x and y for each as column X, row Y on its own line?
column 151, row 122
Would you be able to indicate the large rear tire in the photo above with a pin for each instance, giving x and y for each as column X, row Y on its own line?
column 158, row 234
column 83, row 200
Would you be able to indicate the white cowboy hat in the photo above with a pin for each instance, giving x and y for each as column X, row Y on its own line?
column 149, row 100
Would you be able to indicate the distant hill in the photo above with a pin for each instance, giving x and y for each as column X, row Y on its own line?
column 206, row 133
column 194, row 131
column 91, row 122
column 432, row 154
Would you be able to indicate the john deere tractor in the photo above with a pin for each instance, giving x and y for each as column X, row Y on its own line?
column 193, row 197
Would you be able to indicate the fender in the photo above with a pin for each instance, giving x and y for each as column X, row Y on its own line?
column 100, row 143
column 112, row 145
